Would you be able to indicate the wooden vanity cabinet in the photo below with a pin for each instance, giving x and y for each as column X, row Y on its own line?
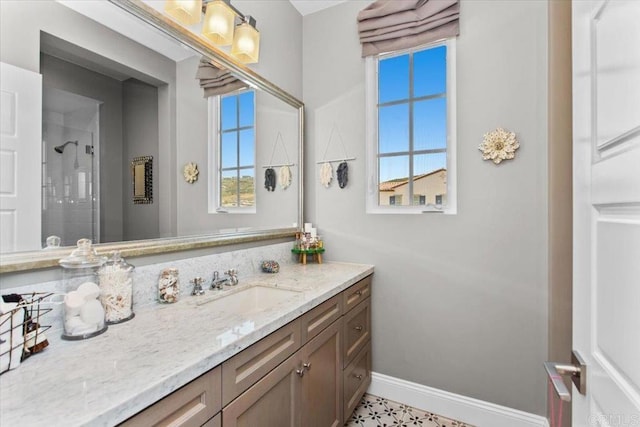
column 321, row 384
column 311, row 372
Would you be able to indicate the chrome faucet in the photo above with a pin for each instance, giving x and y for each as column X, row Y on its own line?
column 233, row 277
column 197, row 286
column 215, row 282
column 232, row 280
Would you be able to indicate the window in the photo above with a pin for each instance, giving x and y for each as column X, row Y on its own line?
column 411, row 130
column 233, row 153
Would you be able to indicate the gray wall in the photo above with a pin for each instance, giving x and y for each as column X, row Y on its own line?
column 459, row 301
column 140, row 137
column 63, row 75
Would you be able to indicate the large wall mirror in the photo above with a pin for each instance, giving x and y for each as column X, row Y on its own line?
column 90, row 86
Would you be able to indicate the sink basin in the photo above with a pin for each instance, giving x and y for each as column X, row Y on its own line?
column 250, row 300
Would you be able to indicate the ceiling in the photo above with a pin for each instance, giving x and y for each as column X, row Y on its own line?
column 306, row 7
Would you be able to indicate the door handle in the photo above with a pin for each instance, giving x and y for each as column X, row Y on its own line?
column 577, row 371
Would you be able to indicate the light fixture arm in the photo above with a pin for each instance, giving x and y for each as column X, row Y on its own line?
column 243, row 18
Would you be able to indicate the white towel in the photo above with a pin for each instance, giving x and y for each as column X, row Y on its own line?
column 10, row 359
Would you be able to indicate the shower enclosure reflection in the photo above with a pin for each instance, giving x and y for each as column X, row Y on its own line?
column 70, row 199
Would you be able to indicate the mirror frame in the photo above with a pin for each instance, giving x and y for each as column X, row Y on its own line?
column 142, row 176
column 40, row 259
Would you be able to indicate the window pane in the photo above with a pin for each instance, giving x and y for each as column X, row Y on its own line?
column 229, row 150
column 393, row 79
column 430, row 124
column 246, row 109
column 228, row 112
column 247, row 187
column 430, row 177
column 393, row 172
column 393, row 128
column 430, row 71
column 246, row 147
column 229, row 189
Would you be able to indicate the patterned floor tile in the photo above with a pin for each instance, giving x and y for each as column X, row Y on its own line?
column 375, row 411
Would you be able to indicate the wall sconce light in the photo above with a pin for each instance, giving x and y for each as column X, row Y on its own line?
column 219, row 20
column 220, row 25
column 246, row 41
column 186, row 12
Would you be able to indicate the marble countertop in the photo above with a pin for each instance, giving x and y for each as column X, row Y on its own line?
column 106, row 379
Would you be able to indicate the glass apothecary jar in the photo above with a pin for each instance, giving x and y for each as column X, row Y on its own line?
column 169, row 286
column 116, row 289
column 83, row 315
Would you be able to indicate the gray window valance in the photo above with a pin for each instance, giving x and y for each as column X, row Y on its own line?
column 216, row 81
column 390, row 25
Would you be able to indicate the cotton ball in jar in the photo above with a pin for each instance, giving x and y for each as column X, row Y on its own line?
column 73, row 302
column 89, row 290
column 92, row 313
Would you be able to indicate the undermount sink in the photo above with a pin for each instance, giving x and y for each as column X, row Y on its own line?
column 249, row 300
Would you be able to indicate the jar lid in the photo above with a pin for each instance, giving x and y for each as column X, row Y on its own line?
column 116, row 262
column 83, row 256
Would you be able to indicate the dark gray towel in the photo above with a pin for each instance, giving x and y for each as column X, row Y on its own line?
column 270, row 179
column 343, row 174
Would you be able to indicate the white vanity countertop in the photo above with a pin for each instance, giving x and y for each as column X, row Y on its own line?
column 106, row 379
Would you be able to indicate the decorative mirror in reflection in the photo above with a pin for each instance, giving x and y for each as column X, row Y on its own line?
column 142, row 174
column 115, row 89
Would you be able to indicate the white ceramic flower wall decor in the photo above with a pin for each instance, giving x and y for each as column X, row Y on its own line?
column 499, row 145
column 190, row 172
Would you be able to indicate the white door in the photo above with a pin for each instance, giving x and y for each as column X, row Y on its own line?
column 20, row 158
column 606, row 270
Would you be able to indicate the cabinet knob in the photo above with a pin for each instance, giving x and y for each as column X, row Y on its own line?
column 307, row 366
column 359, row 293
column 300, row 372
column 358, row 328
column 357, row 376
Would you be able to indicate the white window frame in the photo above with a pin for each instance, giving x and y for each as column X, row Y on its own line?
column 214, row 143
column 371, row 136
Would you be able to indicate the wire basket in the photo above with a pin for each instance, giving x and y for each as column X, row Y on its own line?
column 21, row 330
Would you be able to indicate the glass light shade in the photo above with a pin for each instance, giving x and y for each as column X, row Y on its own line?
column 218, row 25
column 186, row 12
column 246, row 43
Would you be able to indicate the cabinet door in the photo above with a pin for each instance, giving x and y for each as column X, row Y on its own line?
column 214, row 422
column 321, row 399
column 271, row 402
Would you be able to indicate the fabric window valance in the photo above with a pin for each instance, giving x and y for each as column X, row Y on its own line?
column 216, row 81
column 390, row 25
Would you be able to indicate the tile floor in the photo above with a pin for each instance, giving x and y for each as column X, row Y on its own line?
column 376, row 411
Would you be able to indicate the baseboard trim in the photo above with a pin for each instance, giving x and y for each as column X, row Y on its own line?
column 473, row 411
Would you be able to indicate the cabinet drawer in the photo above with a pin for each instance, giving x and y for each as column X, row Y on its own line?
column 247, row 367
column 357, row 330
column 356, row 380
column 357, row 293
column 192, row 405
column 316, row 320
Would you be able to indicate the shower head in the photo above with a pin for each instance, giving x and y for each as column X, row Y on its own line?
column 60, row 148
